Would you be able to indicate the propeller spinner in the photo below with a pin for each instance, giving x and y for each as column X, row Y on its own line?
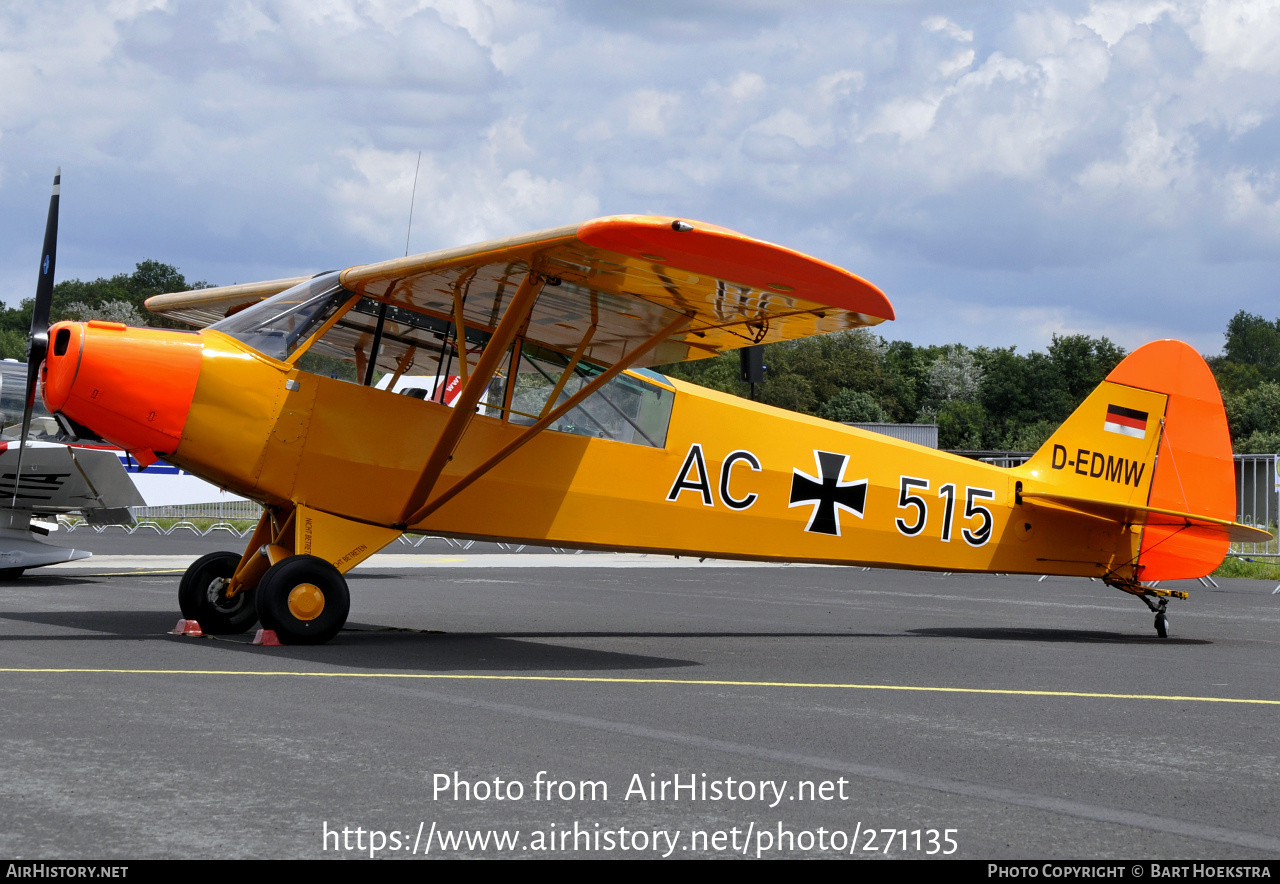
column 38, row 341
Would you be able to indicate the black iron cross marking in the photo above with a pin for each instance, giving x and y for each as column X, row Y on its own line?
column 828, row 494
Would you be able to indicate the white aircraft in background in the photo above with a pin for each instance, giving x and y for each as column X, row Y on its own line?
column 66, row 470
column 60, row 474
column 426, row 387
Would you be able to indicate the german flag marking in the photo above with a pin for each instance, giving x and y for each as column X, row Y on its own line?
column 1126, row 421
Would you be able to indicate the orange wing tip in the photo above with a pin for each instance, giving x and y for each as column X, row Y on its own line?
column 735, row 258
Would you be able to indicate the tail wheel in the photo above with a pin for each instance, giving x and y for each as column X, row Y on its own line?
column 1162, row 625
column 202, row 595
column 304, row 599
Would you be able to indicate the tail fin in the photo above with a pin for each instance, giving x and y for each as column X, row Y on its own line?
column 1152, row 436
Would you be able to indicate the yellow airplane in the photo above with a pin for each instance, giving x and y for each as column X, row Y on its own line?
column 560, row 435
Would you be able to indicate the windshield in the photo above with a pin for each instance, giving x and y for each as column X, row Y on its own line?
column 279, row 324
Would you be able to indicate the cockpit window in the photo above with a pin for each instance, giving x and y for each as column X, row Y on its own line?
column 626, row 409
column 278, row 325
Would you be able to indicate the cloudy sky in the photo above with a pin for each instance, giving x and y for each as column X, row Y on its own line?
column 1004, row 171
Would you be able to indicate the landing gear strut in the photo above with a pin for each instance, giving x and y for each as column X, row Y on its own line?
column 1147, row 593
column 302, row 597
column 1162, row 621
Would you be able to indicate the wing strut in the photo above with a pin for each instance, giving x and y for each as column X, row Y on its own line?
column 465, row 408
column 568, row 371
column 671, row 328
column 460, row 326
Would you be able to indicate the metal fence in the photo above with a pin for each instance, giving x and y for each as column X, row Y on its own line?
column 222, row 510
column 1258, row 500
column 1004, row 459
column 183, row 526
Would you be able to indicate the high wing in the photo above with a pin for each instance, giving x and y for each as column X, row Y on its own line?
column 614, row 282
column 202, row 307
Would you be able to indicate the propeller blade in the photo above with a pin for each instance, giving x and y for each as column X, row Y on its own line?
column 38, row 341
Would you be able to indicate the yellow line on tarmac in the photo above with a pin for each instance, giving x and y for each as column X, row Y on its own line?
column 127, row 573
column 673, row 681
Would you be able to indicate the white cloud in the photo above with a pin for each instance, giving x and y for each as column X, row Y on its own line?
column 1239, row 34
column 957, row 63
column 1004, row 163
column 940, row 23
column 649, row 111
column 1114, row 19
column 746, row 85
column 1152, row 161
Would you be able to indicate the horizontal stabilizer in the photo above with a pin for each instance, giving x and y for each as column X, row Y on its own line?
column 1132, row 514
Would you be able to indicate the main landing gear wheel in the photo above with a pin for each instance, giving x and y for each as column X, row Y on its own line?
column 202, row 596
column 304, row 599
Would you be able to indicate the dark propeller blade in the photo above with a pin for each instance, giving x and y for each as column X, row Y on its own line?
column 38, row 342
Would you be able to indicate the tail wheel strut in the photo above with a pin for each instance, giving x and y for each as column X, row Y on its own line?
column 1146, row 594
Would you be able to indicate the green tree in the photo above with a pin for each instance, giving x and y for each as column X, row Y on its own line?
column 853, row 406
column 1252, row 340
column 1253, row 412
column 121, row 297
column 803, row 375
column 1259, row 443
column 955, row 376
column 962, row 425
column 1030, row 437
column 1232, row 377
column 1083, row 363
column 790, row 391
column 118, row 298
column 13, row 344
column 719, row 372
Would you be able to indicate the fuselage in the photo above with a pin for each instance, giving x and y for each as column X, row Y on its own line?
column 721, row 476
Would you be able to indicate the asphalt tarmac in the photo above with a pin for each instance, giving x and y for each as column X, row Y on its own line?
column 825, row 711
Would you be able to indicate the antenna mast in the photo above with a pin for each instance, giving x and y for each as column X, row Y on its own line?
column 411, row 199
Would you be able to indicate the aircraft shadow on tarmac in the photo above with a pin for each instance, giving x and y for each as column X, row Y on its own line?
column 108, row 625
column 368, row 647
column 1069, row 636
column 373, row 647
column 35, row 581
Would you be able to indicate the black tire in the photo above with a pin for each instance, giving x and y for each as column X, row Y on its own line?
column 201, row 598
column 303, row 574
column 1162, row 626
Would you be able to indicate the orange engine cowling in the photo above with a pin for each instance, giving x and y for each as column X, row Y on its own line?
column 131, row 386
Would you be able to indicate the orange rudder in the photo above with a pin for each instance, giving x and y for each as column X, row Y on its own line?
column 1194, row 471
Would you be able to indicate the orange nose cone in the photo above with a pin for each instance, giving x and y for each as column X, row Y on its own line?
column 131, row 386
